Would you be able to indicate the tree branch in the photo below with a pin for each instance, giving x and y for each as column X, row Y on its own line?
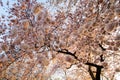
column 97, row 73
column 65, row 51
column 98, row 67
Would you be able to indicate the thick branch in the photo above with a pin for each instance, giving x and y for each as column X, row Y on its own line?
column 91, row 73
column 98, row 71
column 94, row 65
column 65, row 51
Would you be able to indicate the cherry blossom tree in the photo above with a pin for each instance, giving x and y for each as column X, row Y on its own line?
column 39, row 43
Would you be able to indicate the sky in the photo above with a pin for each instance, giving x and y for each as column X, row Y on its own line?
column 4, row 8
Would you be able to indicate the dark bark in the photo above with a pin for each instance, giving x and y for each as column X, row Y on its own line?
column 102, row 47
column 98, row 67
column 98, row 72
column 65, row 51
column 91, row 73
column 101, row 58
